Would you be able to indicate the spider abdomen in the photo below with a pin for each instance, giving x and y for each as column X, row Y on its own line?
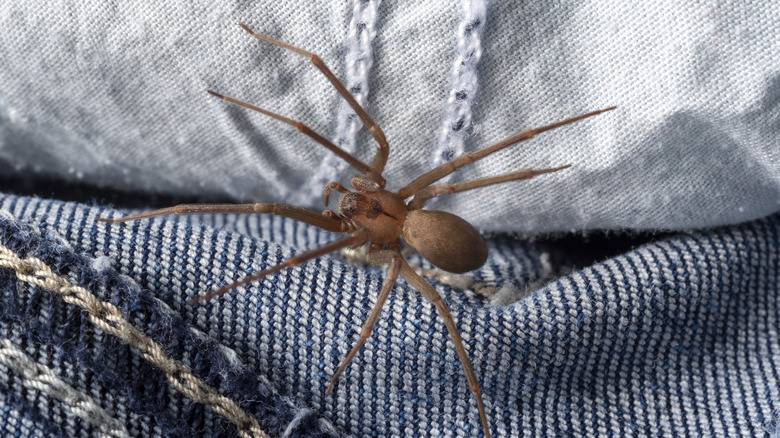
column 445, row 240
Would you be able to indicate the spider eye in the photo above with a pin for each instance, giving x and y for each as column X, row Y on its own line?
column 355, row 204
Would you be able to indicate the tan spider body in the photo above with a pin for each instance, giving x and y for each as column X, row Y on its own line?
column 376, row 216
column 446, row 240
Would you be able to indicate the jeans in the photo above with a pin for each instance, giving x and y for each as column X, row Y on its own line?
column 673, row 338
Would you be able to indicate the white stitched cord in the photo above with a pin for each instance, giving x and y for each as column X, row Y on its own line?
column 464, row 82
column 359, row 60
column 44, row 380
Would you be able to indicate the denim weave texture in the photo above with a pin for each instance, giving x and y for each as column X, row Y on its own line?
column 674, row 338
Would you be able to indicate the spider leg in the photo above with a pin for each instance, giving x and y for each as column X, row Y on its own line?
column 359, row 235
column 329, row 188
column 383, row 149
column 447, row 168
column 291, row 211
column 429, row 292
column 344, row 155
column 376, row 256
column 429, row 192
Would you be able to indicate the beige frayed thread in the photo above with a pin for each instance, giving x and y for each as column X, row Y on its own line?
column 109, row 318
column 44, row 380
column 359, row 256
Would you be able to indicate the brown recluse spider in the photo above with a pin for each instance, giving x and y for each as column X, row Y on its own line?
column 379, row 217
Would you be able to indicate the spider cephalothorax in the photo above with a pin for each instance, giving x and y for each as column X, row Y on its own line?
column 382, row 218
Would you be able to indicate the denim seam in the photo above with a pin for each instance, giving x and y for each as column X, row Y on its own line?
column 43, row 379
column 108, row 317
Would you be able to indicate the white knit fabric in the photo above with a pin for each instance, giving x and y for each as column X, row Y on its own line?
column 115, row 95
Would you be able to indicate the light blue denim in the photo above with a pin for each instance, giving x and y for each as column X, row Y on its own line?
column 673, row 338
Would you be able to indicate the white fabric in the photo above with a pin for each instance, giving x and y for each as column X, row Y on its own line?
column 115, row 94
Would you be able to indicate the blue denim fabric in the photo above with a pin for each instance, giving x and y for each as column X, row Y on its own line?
column 61, row 337
column 115, row 96
column 674, row 338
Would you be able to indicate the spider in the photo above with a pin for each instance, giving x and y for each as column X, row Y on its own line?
column 379, row 217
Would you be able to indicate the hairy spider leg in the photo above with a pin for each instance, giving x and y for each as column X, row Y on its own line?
column 383, row 149
column 377, row 256
column 447, row 168
column 430, row 293
column 310, row 217
column 351, row 239
column 344, row 155
column 429, row 192
column 399, row 266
